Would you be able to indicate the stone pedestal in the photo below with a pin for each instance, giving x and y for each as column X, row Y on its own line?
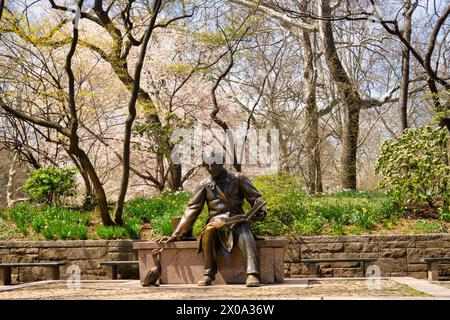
column 182, row 265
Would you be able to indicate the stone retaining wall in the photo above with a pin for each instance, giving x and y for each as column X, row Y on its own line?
column 396, row 255
column 86, row 254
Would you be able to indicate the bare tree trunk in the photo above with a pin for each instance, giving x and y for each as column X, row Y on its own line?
column 319, row 184
column 175, row 177
column 74, row 147
column 404, row 86
column 10, row 185
column 87, row 182
column 87, row 166
column 312, row 116
column 350, row 97
column 132, row 115
column 2, row 5
column 349, row 145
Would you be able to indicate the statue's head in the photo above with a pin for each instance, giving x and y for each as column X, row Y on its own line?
column 214, row 163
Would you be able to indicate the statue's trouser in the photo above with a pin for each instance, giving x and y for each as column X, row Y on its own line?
column 245, row 241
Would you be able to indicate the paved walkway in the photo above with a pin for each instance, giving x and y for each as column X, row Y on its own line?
column 404, row 288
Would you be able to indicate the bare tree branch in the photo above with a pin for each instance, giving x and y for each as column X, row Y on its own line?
column 284, row 20
column 2, row 6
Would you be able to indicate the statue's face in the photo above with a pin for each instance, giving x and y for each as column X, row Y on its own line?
column 214, row 169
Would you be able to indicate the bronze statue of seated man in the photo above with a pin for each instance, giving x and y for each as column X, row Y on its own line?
column 224, row 193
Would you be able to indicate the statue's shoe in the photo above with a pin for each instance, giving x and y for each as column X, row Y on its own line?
column 207, row 281
column 252, row 281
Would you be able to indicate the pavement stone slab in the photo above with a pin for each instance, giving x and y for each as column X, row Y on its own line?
column 291, row 289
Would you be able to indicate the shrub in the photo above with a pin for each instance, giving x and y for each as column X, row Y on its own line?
column 342, row 212
column 47, row 185
column 53, row 222
column 285, row 196
column 111, row 232
column 414, row 167
column 200, row 222
column 90, row 203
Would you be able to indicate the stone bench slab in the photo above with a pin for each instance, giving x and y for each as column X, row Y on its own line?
column 313, row 263
column 432, row 266
column 30, row 264
column 118, row 263
column 52, row 269
column 114, row 266
column 338, row 260
column 434, row 259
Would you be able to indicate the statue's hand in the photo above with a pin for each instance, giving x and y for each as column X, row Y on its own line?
column 261, row 214
column 166, row 239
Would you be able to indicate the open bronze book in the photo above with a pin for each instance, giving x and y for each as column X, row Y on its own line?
column 257, row 206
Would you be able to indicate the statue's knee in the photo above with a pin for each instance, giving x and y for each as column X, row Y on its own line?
column 210, row 230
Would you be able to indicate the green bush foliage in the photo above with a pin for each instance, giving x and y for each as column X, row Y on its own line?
column 133, row 227
column 200, row 222
column 61, row 223
column 111, row 232
column 7, row 231
column 444, row 214
column 424, row 226
column 158, row 211
column 53, row 222
column 291, row 211
column 414, row 167
column 130, row 230
column 48, row 185
column 285, row 196
column 345, row 212
column 22, row 215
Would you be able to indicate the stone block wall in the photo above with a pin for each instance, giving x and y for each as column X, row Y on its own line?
column 86, row 254
column 397, row 255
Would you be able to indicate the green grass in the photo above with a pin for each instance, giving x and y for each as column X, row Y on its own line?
column 157, row 211
column 111, row 232
column 57, row 222
column 8, row 230
column 52, row 222
column 345, row 212
column 22, row 215
column 133, row 227
column 444, row 214
column 425, row 226
column 60, row 223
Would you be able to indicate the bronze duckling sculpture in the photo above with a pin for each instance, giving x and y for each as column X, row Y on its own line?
column 154, row 273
